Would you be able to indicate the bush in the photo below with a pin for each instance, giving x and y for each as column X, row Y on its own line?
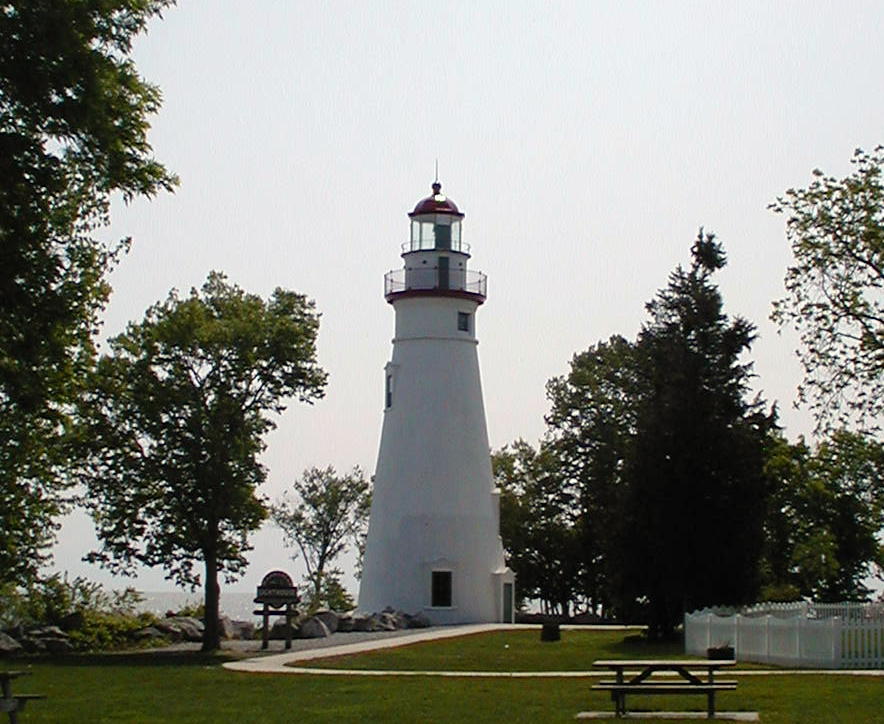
column 103, row 619
column 102, row 630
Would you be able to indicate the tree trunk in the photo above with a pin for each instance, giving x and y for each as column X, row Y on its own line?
column 212, row 603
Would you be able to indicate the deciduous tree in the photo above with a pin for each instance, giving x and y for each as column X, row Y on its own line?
column 592, row 428
column 824, row 518
column 175, row 421
column 324, row 514
column 73, row 133
column 539, row 524
column 835, row 292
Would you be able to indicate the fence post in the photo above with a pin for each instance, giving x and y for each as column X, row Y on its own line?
column 799, row 640
column 738, row 628
column 836, row 642
column 767, row 637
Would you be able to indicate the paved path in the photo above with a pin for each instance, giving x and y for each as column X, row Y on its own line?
column 344, row 644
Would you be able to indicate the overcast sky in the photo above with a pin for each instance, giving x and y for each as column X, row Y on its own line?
column 585, row 141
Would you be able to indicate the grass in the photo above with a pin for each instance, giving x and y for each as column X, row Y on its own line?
column 509, row 651
column 512, row 651
column 156, row 687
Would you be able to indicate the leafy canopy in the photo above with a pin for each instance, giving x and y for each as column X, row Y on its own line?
column 662, row 452
column 824, row 518
column 175, row 422
column 835, row 292
column 323, row 514
column 73, row 133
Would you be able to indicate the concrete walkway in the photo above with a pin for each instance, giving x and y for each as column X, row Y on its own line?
column 282, row 663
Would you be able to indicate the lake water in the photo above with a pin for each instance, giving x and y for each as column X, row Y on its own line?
column 238, row 606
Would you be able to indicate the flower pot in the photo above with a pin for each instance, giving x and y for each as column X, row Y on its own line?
column 720, row 653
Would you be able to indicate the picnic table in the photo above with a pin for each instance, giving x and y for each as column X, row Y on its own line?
column 682, row 679
column 14, row 703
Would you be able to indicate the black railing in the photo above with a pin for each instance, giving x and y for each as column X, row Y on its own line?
column 435, row 278
column 431, row 245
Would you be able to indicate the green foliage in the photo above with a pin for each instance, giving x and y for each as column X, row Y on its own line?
column 174, row 425
column 539, row 526
column 824, row 517
column 73, row 132
column 108, row 630
column 48, row 600
column 833, row 292
column 192, row 609
column 333, row 594
column 697, row 489
column 320, row 517
column 592, row 423
column 106, row 619
column 663, row 454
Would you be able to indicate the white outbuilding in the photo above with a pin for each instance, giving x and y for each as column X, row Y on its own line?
column 433, row 541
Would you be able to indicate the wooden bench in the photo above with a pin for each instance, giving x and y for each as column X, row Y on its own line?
column 642, row 682
column 13, row 703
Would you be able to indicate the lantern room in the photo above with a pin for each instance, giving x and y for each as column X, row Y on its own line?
column 435, row 255
column 436, row 224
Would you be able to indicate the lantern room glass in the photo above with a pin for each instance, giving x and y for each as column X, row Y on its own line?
column 438, row 232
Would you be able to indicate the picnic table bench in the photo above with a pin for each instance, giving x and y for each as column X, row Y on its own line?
column 640, row 681
column 14, row 703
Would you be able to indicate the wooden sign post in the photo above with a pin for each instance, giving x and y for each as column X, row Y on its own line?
column 277, row 592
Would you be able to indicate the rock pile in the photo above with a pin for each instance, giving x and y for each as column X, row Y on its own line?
column 325, row 623
column 175, row 629
column 36, row 640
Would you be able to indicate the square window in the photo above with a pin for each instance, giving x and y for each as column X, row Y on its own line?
column 463, row 321
column 441, row 593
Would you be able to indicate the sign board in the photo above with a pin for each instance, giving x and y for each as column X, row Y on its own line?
column 277, row 590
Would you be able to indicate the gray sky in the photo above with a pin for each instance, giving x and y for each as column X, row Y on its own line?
column 585, row 141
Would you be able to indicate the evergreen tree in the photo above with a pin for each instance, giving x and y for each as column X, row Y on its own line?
column 697, row 488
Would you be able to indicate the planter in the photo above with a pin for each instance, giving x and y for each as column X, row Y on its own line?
column 719, row 653
column 550, row 632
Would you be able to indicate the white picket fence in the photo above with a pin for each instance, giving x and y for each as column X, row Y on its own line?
column 829, row 641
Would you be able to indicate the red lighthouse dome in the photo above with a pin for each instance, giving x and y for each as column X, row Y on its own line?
column 438, row 203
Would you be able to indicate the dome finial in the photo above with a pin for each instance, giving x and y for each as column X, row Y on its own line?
column 437, row 187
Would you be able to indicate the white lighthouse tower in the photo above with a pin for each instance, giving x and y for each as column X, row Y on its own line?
column 434, row 533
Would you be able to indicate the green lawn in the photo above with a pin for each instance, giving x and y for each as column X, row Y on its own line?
column 156, row 687
column 509, row 651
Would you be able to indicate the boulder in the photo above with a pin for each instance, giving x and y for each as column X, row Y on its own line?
column 46, row 638
column 313, row 628
column 419, row 620
column 9, row 645
column 329, row 618
column 58, row 645
column 386, row 622
column 33, row 646
column 72, row 622
column 45, row 632
column 225, row 628
column 150, row 633
column 362, row 623
column 182, row 628
column 244, row 630
column 346, row 623
column 279, row 628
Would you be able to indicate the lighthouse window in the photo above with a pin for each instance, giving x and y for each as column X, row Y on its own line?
column 388, row 391
column 441, row 593
column 463, row 321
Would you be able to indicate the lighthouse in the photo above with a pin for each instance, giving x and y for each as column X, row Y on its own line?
column 433, row 544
